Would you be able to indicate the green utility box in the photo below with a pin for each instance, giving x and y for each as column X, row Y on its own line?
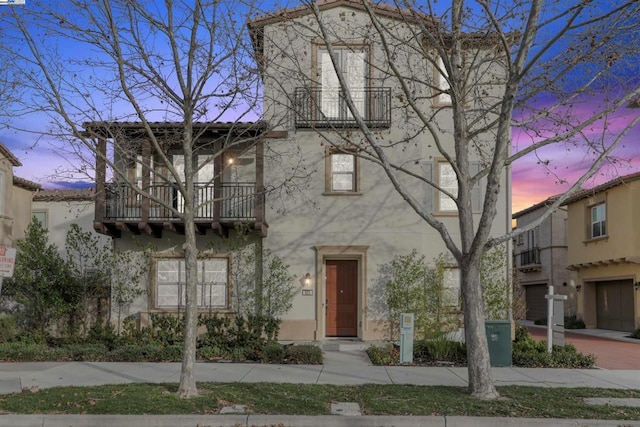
column 499, row 342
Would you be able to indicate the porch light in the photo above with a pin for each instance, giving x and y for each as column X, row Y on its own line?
column 307, row 280
column 231, row 160
column 636, row 286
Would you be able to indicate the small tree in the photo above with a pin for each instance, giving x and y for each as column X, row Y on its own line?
column 99, row 267
column 127, row 270
column 42, row 282
column 496, row 295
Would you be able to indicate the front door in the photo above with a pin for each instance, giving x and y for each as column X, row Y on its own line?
column 342, row 298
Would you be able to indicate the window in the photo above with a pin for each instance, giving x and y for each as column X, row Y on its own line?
column 351, row 62
column 448, row 182
column 441, row 83
column 598, row 221
column 171, row 282
column 441, row 174
column 41, row 216
column 342, row 172
column 451, row 287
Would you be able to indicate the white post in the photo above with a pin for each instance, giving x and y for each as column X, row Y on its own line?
column 550, row 319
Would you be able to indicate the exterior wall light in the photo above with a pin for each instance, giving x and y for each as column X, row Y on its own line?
column 307, row 280
column 636, row 286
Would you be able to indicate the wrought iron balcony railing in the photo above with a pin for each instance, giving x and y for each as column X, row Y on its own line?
column 317, row 108
column 529, row 257
column 236, row 201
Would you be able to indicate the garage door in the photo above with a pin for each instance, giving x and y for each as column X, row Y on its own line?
column 614, row 305
column 536, row 302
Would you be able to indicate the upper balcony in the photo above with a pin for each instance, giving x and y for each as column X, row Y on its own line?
column 322, row 108
column 143, row 197
column 529, row 260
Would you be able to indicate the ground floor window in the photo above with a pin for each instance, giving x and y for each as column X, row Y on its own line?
column 171, row 282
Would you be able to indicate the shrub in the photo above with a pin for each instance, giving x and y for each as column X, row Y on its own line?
column 136, row 353
column 28, row 352
column 30, row 337
column 103, row 334
column 635, row 334
column 86, row 352
column 306, row 354
column 8, row 328
column 533, row 354
column 167, row 330
column 273, row 352
column 385, row 355
column 521, row 333
column 210, row 353
column 444, row 349
column 572, row 322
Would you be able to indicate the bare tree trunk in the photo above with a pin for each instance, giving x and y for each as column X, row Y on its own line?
column 187, row 375
column 478, row 362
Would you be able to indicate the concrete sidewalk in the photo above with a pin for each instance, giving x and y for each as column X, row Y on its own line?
column 340, row 368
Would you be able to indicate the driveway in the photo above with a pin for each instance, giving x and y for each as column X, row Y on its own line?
column 610, row 353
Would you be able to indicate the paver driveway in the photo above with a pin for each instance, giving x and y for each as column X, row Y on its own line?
column 611, row 354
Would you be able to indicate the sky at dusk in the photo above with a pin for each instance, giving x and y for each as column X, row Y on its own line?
column 535, row 177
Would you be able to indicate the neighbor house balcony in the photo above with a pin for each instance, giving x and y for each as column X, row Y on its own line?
column 322, row 108
column 529, row 260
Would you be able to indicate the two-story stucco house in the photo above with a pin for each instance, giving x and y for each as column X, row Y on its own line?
column 540, row 259
column 15, row 199
column 604, row 250
column 336, row 218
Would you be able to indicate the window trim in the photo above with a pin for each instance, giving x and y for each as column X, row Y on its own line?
column 153, row 284
column 328, row 182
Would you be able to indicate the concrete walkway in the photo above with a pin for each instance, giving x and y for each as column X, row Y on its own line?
column 346, row 367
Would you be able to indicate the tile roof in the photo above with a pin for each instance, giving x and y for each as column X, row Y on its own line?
column 584, row 193
column 26, row 184
column 76, row 195
column 543, row 204
column 4, row 151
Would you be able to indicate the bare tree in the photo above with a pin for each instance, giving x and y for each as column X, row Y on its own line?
column 105, row 73
column 460, row 74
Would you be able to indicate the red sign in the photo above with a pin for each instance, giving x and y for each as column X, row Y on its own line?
column 7, row 261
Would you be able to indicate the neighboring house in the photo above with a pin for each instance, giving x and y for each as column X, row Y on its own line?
column 604, row 251
column 540, row 259
column 58, row 209
column 15, row 200
column 344, row 220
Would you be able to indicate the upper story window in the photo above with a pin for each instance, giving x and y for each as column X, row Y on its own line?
column 447, row 181
column 351, row 63
column 325, row 103
column 341, row 172
column 598, row 221
column 440, row 77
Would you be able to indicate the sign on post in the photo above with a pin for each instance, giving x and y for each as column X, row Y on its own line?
column 555, row 319
column 7, row 262
column 406, row 338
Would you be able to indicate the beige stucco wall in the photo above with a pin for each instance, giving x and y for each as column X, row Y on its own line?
column 613, row 257
column 61, row 214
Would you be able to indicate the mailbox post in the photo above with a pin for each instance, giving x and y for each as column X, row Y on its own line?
column 406, row 338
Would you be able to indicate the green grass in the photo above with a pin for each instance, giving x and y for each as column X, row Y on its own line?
column 307, row 399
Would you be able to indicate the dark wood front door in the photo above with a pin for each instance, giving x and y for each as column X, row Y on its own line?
column 342, row 298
